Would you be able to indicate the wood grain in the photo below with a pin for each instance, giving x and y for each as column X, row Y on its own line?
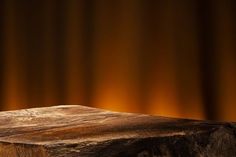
column 79, row 131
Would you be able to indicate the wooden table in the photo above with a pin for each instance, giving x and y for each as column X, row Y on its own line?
column 79, row 131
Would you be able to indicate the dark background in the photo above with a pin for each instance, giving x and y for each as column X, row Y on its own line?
column 165, row 57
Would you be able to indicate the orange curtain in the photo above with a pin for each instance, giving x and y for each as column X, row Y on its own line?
column 169, row 58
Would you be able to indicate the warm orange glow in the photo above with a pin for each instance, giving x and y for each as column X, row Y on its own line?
column 133, row 56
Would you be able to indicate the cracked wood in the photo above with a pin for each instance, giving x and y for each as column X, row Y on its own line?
column 79, row 131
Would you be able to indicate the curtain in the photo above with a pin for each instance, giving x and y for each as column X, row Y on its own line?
column 162, row 57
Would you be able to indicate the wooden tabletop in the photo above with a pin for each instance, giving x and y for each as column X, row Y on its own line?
column 79, row 131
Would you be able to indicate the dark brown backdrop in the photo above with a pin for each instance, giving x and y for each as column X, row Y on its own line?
column 166, row 57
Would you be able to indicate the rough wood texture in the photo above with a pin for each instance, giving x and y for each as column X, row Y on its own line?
column 78, row 131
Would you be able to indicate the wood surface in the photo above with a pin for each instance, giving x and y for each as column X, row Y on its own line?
column 79, row 131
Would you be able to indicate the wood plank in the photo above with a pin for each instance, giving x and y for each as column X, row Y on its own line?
column 79, row 131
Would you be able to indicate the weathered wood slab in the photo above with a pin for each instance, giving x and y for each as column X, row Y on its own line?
column 78, row 131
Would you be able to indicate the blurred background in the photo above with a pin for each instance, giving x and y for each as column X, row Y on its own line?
column 162, row 57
